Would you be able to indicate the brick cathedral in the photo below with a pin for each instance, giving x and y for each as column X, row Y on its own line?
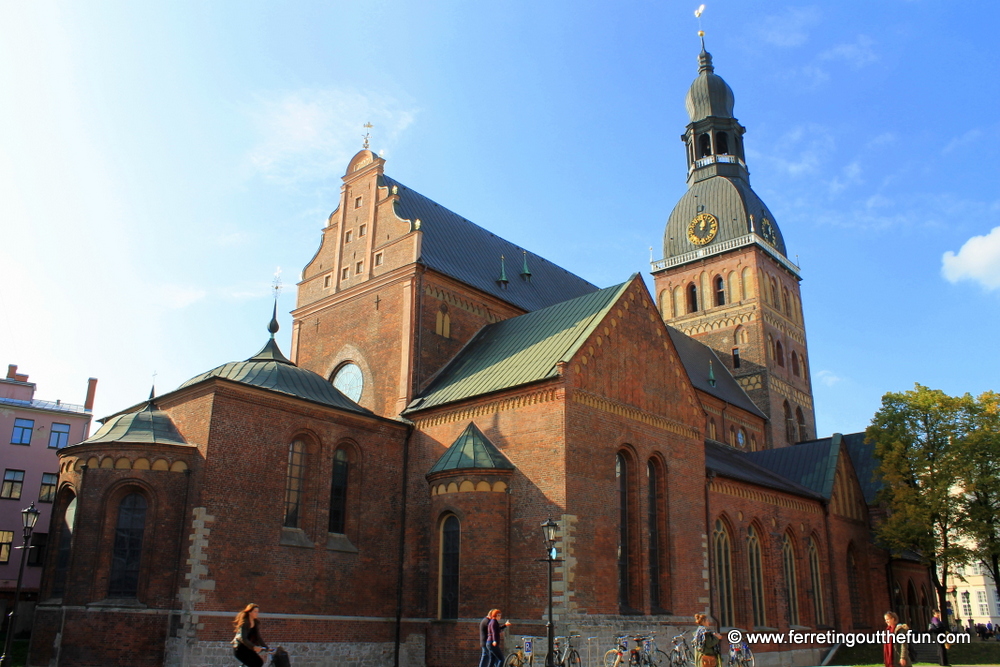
column 445, row 393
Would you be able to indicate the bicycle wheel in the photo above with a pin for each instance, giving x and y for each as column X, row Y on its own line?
column 513, row 660
column 677, row 658
column 659, row 658
column 746, row 660
column 611, row 658
column 572, row 659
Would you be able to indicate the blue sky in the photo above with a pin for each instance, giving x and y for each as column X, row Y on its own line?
column 158, row 161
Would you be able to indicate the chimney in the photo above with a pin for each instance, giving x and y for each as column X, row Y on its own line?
column 12, row 374
column 88, row 405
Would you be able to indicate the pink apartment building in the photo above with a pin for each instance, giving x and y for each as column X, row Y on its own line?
column 32, row 431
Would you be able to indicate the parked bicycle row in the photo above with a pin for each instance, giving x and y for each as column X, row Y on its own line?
column 628, row 650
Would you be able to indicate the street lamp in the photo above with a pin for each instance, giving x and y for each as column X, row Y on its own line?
column 549, row 533
column 29, row 516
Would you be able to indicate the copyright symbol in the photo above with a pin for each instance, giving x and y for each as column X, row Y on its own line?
column 735, row 636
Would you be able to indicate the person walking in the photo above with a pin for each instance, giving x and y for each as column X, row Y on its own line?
column 490, row 630
column 895, row 654
column 248, row 644
column 706, row 643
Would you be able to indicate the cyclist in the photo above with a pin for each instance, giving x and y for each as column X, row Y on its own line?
column 706, row 643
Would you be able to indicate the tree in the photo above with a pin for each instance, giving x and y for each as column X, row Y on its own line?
column 980, row 450
column 914, row 434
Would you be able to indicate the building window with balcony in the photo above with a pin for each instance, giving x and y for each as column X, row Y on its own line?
column 22, row 431
column 13, row 480
column 47, row 493
column 59, row 436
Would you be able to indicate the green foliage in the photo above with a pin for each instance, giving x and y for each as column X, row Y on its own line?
column 980, row 450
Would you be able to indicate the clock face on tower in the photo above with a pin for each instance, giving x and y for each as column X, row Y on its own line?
column 767, row 231
column 702, row 229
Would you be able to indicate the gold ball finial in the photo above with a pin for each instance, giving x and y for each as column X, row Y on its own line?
column 701, row 33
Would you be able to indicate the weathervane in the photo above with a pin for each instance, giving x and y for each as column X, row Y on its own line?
column 368, row 135
column 276, row 283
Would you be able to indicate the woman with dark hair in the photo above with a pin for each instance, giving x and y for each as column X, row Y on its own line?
column 247, row 644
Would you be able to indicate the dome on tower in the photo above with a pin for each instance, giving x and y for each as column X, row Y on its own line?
column 709, row 95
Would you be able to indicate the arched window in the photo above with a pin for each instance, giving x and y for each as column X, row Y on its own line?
column 854, row 589
column 785, row 302
column 770, row 346
column 127, row 551
column 779, row 353
column 816, row 581
column 791, row 585
column 711, row 429
column 795, row 364
column 294, row 483
column 720, row 291
column 621, row 474
column 443, row 326
column 451, row 539
column 66, row 527
column 774, row 294
column 654, row 534
column 753, row 442
column 732, row 436
column 741, row 438
column 747, row 280
column 733, row 283
column 789, row 423
column 801, row 419
column 338, row 492
column 722, row 550
column 704, row 145
column 664, row 304
column 721, row 143
column 692, row 298
column 679, row 301
column 756, row 567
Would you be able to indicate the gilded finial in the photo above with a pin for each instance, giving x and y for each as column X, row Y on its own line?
column 711, row 373
column 368, row 135
column 701, row 33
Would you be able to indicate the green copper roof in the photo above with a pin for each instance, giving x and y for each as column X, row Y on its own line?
column 519, row 350
column 270, row 369
column 149, row 425
column 472, row 450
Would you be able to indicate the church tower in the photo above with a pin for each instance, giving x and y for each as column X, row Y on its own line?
column 726, row 279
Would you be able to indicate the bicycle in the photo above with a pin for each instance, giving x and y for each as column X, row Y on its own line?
column 570, row 657
column 523, row 654
column 740, row 654
column 651, row 653
column 680, row 654
column 616, row 657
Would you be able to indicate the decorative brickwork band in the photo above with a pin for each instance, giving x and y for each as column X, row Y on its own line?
column 624, row 410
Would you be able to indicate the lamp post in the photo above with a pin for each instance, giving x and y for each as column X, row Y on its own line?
column 549, row 533
column 29, row 515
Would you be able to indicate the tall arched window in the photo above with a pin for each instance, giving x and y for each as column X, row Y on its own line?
column 756, row 566
column 789, row 423
column 775, row 301
column 66, row 527
column 679, row 301
column 711, row 429
column 816, row 581
column 654, row 534
column 443, row 325
column 692, row 298
column 722, row 548
column 664, row 303
column 721, row 143
column 451, row 542
column 704, row 145
column 800, row 418
column 791, row 584
column 295, row 483
column 786, row 302
column 338, row 492
column 795, row 364
column 854, row 589
column 621, row 474
column 720, row 291
column 127, row 553
column 779, row 353
column 747, row 280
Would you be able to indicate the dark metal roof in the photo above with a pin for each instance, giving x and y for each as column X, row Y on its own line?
column 465, row 251
column 732, row 201
column 150, row 425
column 709, row 95
column 519, row 350
column 696, row 357
column 865, row 464
column 811, row 464
column 472, row 450
column 270, row 369
column 734, row 464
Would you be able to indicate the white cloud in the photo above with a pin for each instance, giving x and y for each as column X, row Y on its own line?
column 977, row 260
column 850, row 175
column 790, row 28
column 829, row 378
column 857, row 54
column 179, row 296
column 963, row 141
column 803, row 150
column 309, row 135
